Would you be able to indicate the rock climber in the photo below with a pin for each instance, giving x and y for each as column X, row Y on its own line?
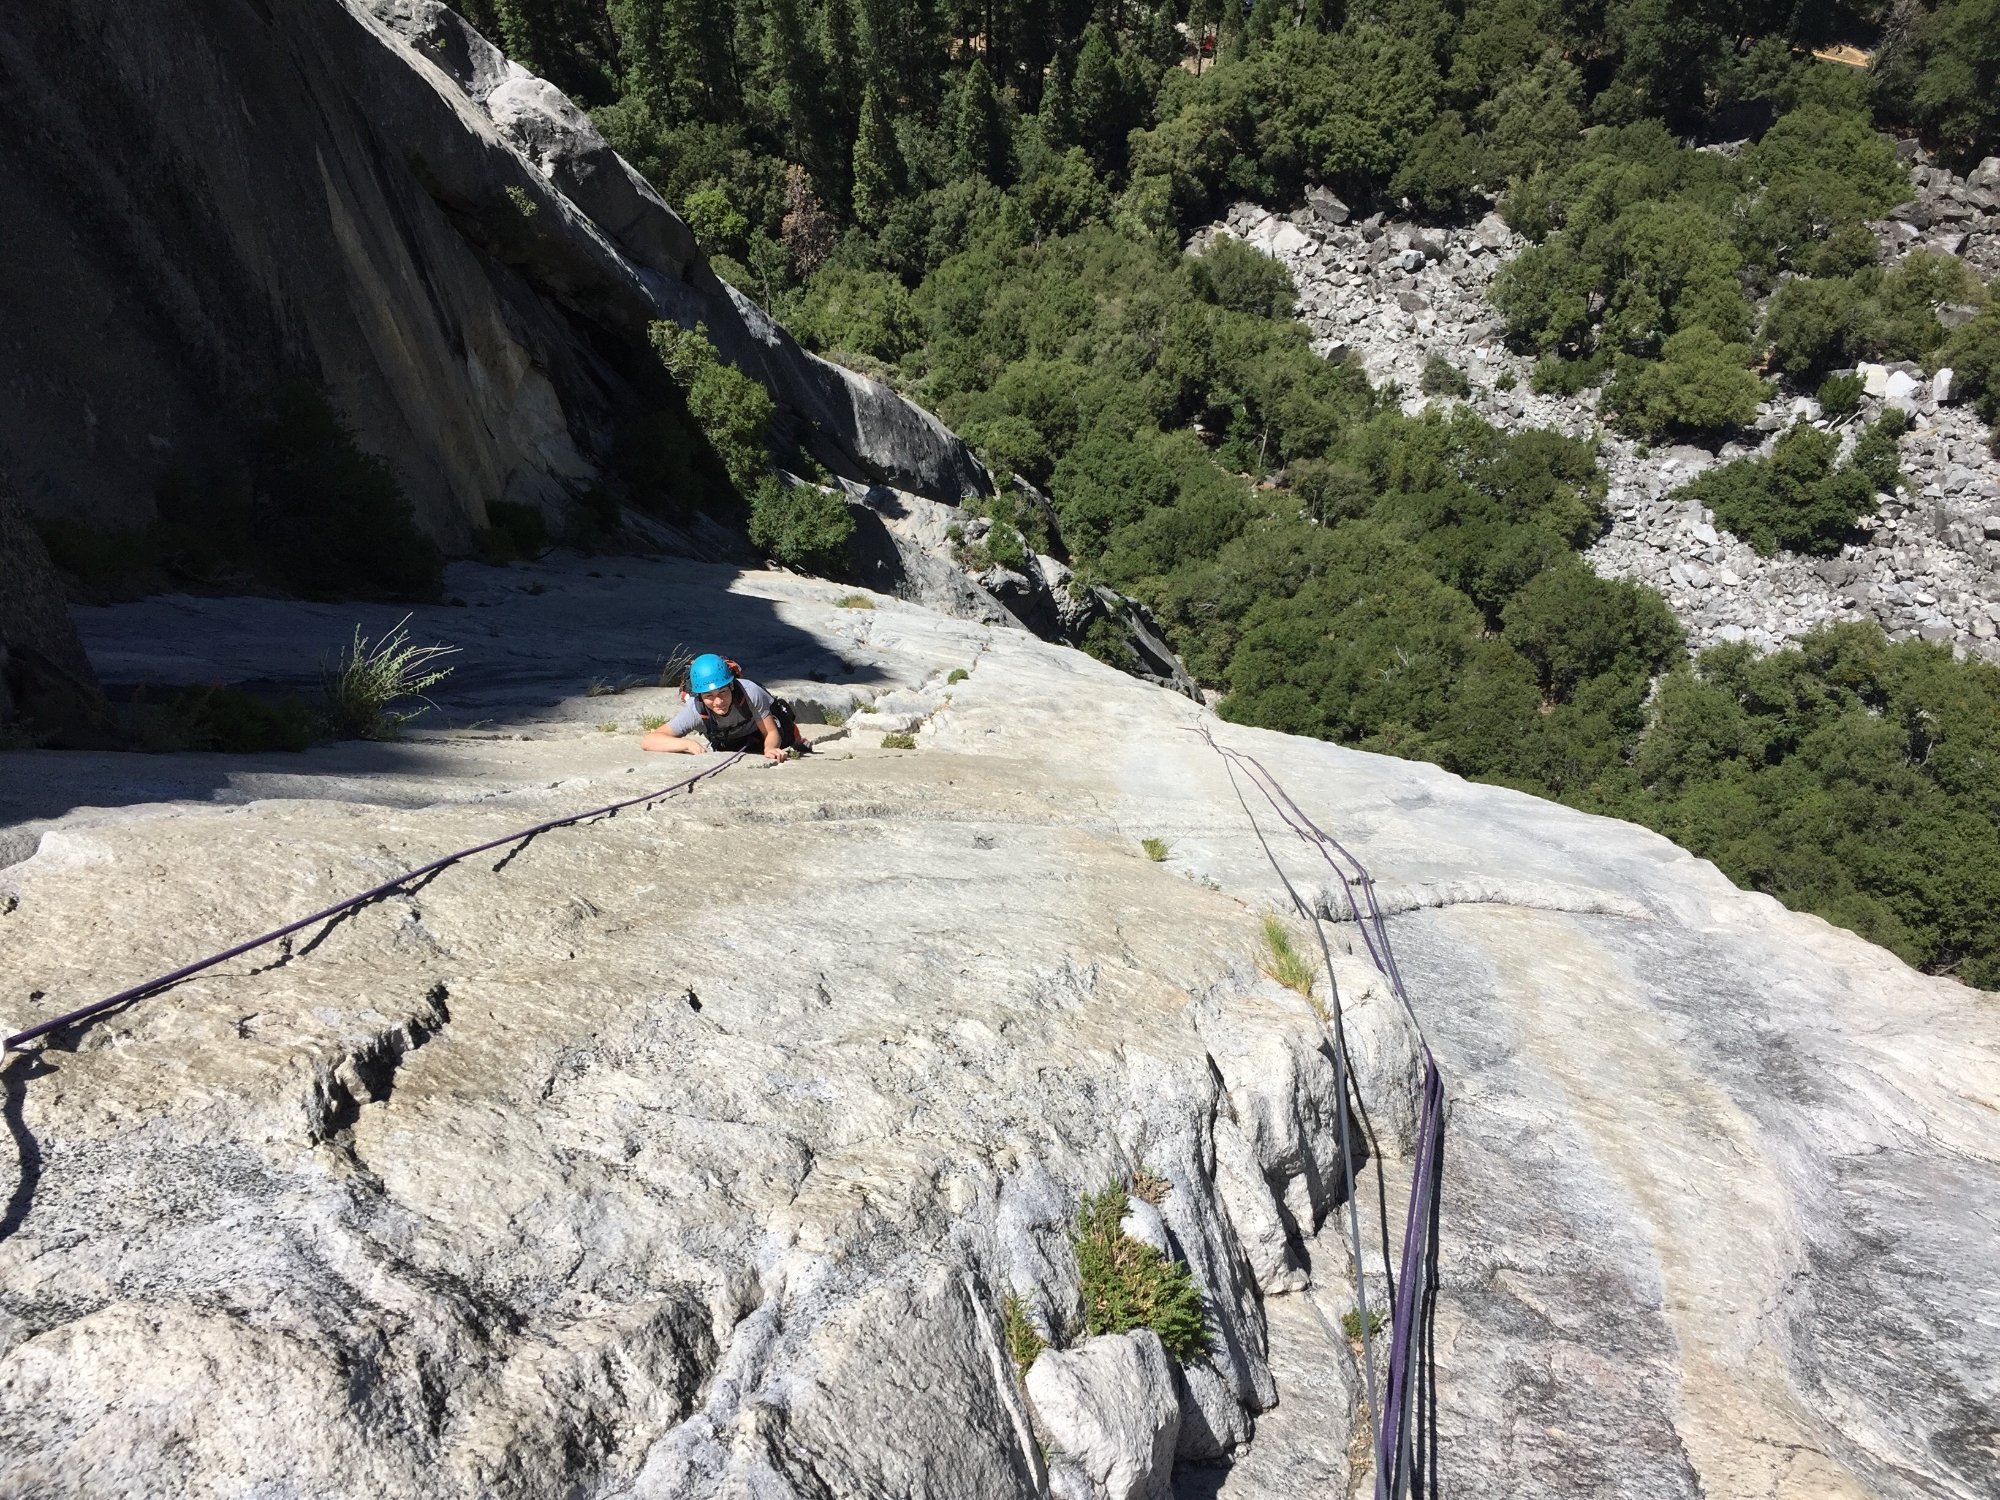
column 726, row 711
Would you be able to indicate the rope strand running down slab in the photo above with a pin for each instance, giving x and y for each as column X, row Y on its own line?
column 374, row 893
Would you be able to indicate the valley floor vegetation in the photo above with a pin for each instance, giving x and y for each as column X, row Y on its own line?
column 984, row 205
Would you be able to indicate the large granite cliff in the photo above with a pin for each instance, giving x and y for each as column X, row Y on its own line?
column 695, row 1152
column 206, row 199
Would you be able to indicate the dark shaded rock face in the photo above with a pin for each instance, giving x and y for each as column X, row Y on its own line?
column 205, row 199
column 47, row 687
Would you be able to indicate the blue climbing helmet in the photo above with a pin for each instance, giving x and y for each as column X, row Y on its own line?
column 709, row 673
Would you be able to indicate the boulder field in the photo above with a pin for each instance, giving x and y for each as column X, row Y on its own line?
column 711, row 1149
column 1389, row 294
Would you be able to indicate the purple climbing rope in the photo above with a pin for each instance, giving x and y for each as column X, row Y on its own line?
column 373, row 893
column 1405, row 1424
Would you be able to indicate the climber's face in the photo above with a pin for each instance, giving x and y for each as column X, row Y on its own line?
column 718, row 701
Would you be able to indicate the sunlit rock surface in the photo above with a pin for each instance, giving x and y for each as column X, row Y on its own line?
column 695, row 1152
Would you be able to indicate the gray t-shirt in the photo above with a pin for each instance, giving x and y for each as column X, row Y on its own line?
column 752, row 703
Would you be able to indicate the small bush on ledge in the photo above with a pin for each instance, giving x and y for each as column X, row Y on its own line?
column 1796, row 499
column 1442, row 378
column 1128, row 1284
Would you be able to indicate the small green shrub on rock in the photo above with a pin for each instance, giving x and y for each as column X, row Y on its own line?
column 1282, row 960
column 367, row 684
column 1350, row 1323
column 1555, row 376
column 513, row 531
column 332, row 518
column 1876, row 455
column 1795, row 499
column 1442, row 378
column 301, row 508
column 1024, row 1343
column 1974, row 357
column 1816, row 324
column 1574, row 628
column 1128, row 1284
column 1699, row 387
column 1812, row 326
column 233, row 721
column 797, row 525
column 1230, row 274
column 1840, row 395
column 802, row 526
column 733, row 410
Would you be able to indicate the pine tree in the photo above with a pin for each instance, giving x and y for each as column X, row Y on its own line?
column 1058, row 113
column 879, row 174
column 793, row 74
column 518, row 29
column 645, row 48
column 1164, row 43
column 1266, row 16
column 1100, row 100
column 903, row 43
column 979, row 141
column 706, row 29
column 840, row 50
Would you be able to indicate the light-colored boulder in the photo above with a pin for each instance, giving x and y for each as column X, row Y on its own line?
column 1109, row 1407
column 1326, row 206
column 1289, row 239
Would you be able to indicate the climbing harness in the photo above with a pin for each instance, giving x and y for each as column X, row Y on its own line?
column 748, row 736
column 373, row 893
column 1404, row 1424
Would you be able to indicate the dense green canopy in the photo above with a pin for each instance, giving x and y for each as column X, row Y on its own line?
column 984, row 204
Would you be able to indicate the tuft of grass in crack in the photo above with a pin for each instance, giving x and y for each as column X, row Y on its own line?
column 1023, row 1342
column 958, row 674
column 1350, row 1324
column 1156, row 849
column 1151, row 1186
column 673, row 671
column 902, row 739
column 1281, row 959
column 610, row 727
column 854, row 601
column 1128, row 1284
column 368, row 684
column 650, row 722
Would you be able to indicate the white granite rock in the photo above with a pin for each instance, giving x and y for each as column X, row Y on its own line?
column 1110, row 1410
column 693, row 1152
